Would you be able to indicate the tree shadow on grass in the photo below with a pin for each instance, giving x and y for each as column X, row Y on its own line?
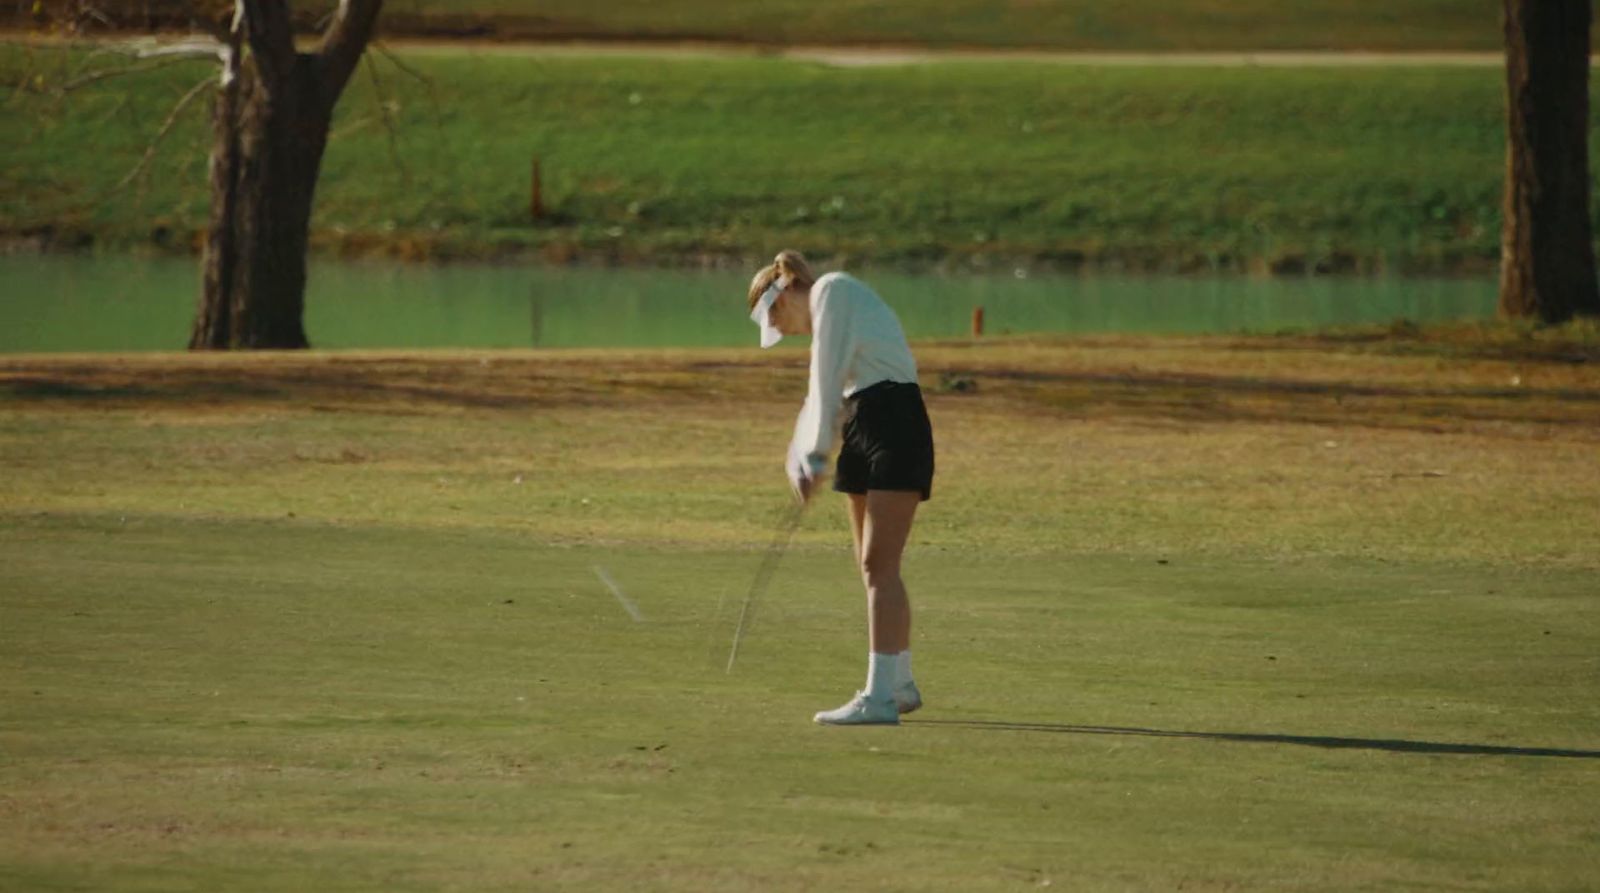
column 519, row 382
column 1392, row 745
column 1208, row 398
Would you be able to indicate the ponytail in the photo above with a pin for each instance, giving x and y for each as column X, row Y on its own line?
column 788, row 263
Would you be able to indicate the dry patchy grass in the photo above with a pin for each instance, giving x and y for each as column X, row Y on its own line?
column 1290, row 445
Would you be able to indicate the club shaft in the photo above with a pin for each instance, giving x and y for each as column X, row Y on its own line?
column 787, row 524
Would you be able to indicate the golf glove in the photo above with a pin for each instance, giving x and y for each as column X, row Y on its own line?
column 801, row 469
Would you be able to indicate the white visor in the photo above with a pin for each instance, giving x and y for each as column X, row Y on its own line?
column 762, row 314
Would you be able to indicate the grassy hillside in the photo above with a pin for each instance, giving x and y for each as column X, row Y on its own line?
column 1070, row 25
column 1140, row 24
column 654, row 159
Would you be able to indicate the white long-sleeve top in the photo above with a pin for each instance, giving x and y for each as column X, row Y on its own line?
column 856, row 342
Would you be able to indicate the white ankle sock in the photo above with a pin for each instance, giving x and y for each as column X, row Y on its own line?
column 902, row 667
column 880, row 675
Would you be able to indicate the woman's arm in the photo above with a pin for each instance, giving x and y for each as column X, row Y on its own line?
column 832, row 345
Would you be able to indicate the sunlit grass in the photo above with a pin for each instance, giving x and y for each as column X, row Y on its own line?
column 1309, row 612
column 1290, row 612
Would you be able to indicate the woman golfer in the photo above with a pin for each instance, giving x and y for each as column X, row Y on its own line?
column 863, row 376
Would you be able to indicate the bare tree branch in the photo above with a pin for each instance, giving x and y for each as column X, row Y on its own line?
column 84, row 73
column 27, row 79
column 406, row 68
column 166, row 126
column 401, row 64
column 233, row 57
column 94, row 13
column 344, row 42
column 193, row 48
column 107, row 73
column 148, row 47
column 90, row 57
column 386, row 110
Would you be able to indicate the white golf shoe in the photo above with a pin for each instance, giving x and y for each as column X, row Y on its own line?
column 907, row 699
column 862, row 711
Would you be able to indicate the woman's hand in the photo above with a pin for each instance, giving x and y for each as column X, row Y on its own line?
column 803, row 488
column 801, row 478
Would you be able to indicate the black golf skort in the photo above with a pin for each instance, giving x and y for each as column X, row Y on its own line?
column 888, row 441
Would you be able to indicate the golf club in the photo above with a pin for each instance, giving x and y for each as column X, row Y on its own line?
column 788, row 521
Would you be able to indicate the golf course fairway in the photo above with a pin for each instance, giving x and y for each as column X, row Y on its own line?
column 1295, row 612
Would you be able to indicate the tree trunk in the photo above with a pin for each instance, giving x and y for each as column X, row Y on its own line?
column 269, row 129
column 1547, row 248
column 266, row 154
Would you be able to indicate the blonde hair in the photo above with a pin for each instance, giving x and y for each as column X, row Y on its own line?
column 788, row 263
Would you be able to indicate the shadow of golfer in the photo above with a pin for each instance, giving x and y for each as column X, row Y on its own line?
column 1389, row 744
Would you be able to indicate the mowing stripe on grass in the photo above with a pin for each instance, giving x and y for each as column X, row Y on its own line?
column 627, row 603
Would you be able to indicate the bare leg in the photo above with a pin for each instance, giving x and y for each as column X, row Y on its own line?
column 884, row 532
column 857, row 504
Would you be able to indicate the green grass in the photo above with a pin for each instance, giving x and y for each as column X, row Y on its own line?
column 1077, row 25
column 1295, row 612
column 658, row 160
column 1138, row 25
column 188, row 706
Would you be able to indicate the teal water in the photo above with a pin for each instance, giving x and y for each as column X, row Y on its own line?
column 92, row 303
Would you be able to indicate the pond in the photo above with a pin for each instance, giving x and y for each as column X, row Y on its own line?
column 118, row 303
